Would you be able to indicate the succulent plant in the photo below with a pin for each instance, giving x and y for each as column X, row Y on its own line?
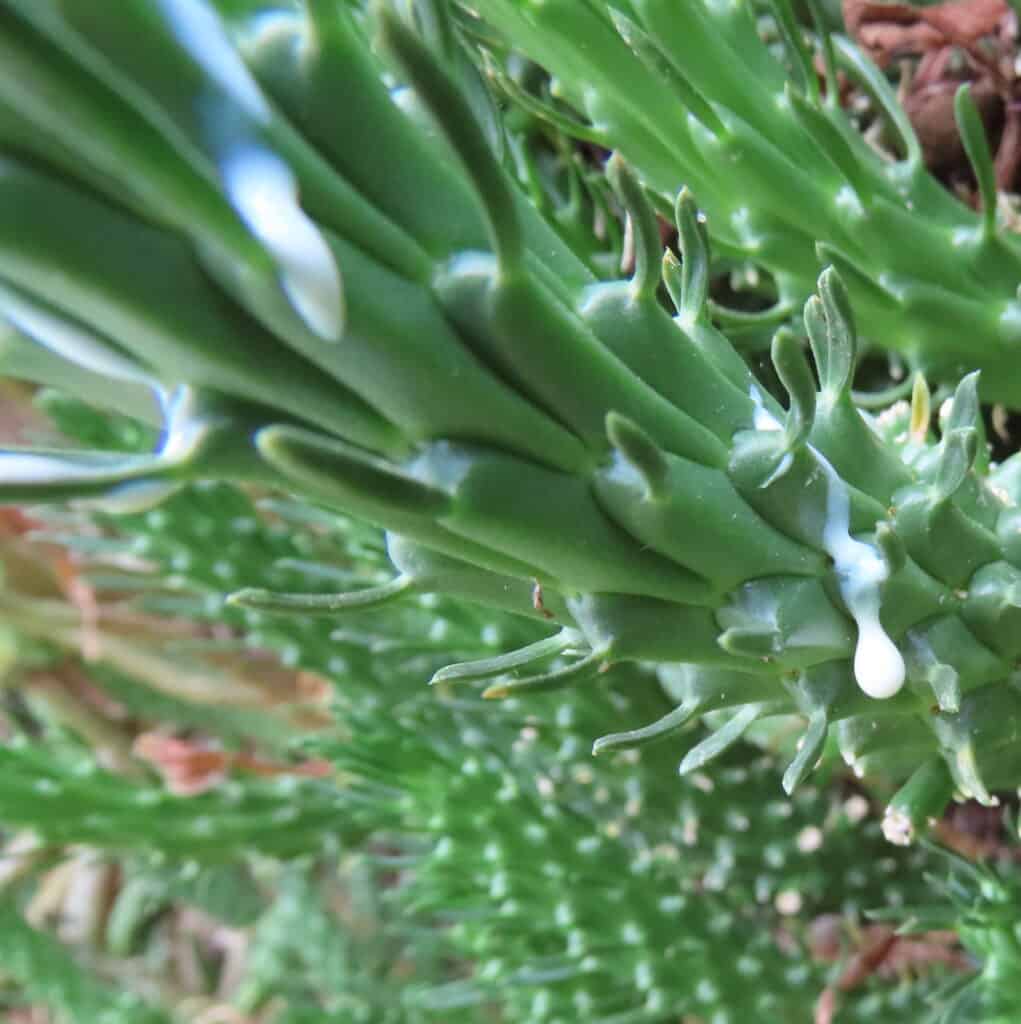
column 782, row 169
column 382, row 407
column 533, row 439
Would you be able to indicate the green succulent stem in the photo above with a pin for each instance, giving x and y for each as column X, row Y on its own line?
column 535, row 439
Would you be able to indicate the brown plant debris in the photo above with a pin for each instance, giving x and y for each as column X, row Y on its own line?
column 190, row 767
column 875, row 950
column 946, row 45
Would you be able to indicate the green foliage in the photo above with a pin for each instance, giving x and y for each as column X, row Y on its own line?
column 625, row 462
column 438, row 785
column 48, row 976
column 321, row 961
column 979, row 902
column 510, row 833
column 782, row 168
column 412, row 427
column 79, row 803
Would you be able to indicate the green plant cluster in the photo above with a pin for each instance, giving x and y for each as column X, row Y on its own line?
column 385, row 408
column 498, row 826
column 608, row 465
column 782, row 168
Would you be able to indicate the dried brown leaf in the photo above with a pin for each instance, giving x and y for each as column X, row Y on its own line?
column 888, row 31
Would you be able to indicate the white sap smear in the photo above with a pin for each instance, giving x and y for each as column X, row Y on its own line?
column 183, row 431
column 878, row 666
column 763, row 419
column 263, row 190
column 31, row 468
column 259, row 183
column 201, row 33
column 182, row 435
column 267, row 28
column 69, row 341
column 130, row 498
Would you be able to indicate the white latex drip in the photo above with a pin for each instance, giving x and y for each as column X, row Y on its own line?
column 130, row 496
column 31, row 468
column 183, row 429
column 201, row 33
column 762, row 418
column 275, row 27
column 259, row 184
column 69, row 341
column 263, row 190
column 878, row 666
column 183, row 433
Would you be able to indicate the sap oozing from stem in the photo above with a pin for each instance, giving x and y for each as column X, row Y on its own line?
column 259, row 184
column 878, row 665
column 183, row 427
column 762, row 418
column 200, row 32
column 72, row 343
column 263, row 190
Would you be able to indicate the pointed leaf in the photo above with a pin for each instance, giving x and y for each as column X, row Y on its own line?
column 484, row 668
column 810, row 748
column 279, row 603
column 796, row 376
column 724, row 738
column 666, row 726
column 973, row 135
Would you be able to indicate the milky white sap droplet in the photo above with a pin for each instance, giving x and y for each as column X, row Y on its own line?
column 878, row 666
column 263, row 190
